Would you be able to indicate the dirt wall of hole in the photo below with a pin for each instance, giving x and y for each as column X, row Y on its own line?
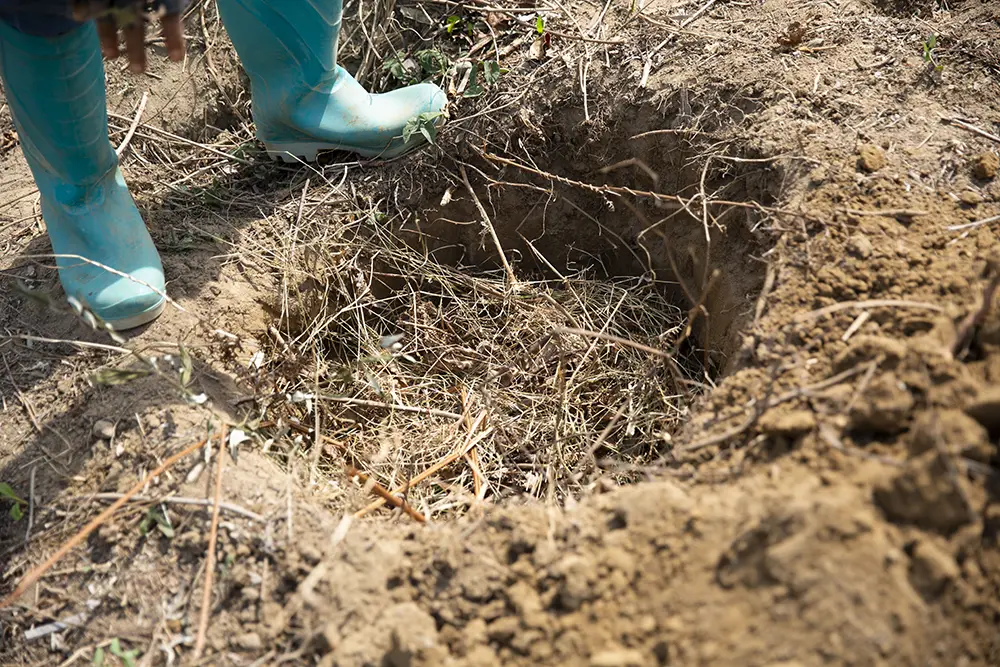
column 548, row 228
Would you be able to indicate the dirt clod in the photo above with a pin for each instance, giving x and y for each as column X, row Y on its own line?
column 931, row 569
column 970, row 198
column 250, row 641
column 503, row 629
column 884, row 406
column 926, row 493
column 985, row 166
column 887, row 351
column 871, row 158
column 953, row 431
column 860, row 245
column 985, row 409
column 577, row 577
column 789, row 423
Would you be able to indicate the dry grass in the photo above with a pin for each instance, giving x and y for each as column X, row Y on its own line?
column 381, row 324
column 393, row 354
column 449, row 384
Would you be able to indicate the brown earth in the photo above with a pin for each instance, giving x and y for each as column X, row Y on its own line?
column 827, row 496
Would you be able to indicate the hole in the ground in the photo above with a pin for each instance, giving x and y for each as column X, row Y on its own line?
column 703, row 260
column 589, row 362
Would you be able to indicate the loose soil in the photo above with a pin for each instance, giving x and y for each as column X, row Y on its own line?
column 739, row 405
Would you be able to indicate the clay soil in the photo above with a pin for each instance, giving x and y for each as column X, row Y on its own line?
column 736, row 402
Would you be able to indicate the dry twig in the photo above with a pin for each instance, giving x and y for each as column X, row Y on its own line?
column 213, row 534
column 29, row 579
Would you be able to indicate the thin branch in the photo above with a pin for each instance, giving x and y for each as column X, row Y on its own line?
column 177, row 500
column 969, row 127
column 135, row 123
column 614, row 339
column 385, row 495
column 206, row 597
column 29, row 579
column 511, row 278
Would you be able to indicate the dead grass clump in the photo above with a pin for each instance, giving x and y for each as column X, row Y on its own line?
column 404, row 360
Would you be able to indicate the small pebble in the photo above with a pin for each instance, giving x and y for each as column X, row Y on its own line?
column 103, row 429
column 617, row 658
column 195, row 472
column 970, row 198
column 251, row 641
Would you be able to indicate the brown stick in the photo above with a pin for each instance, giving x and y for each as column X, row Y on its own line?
column 511, row 278
column 384, row 494
column 94, row 524
column 206, row 596
column 614, row 339
column 969, row 127
column 471, row 441
column 135, row 123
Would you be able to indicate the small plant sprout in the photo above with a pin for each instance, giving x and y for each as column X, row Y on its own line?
column 157, row 517
column 425, row 64
column 456, row 25
column 16, row 511
column 425, row 124
column 432, row 62
column 127, row 657
column 491, row 71
column 931, row 56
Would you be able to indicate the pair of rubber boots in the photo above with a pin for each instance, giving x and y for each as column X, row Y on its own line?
column 302, row 102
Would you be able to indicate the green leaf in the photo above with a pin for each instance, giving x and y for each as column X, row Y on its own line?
column 396, row 69
column 7, row 492
column 127, row 657
column 424, row 124
column 491, row 72
column 474, row 89
column 929, row 45
column 539, row 25
column 15, row 512
column 451, row 23
column 432, row 62
column 98, row 660
column 156, row 517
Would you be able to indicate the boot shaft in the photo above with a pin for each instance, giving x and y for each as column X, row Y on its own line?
column 55, row 89
column 285, row 41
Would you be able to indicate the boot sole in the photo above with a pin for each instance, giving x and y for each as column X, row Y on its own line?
column 294, row 152
column 139, row 319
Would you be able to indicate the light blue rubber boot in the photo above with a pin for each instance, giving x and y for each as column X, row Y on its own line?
column 302, row 100
column 55, row 89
